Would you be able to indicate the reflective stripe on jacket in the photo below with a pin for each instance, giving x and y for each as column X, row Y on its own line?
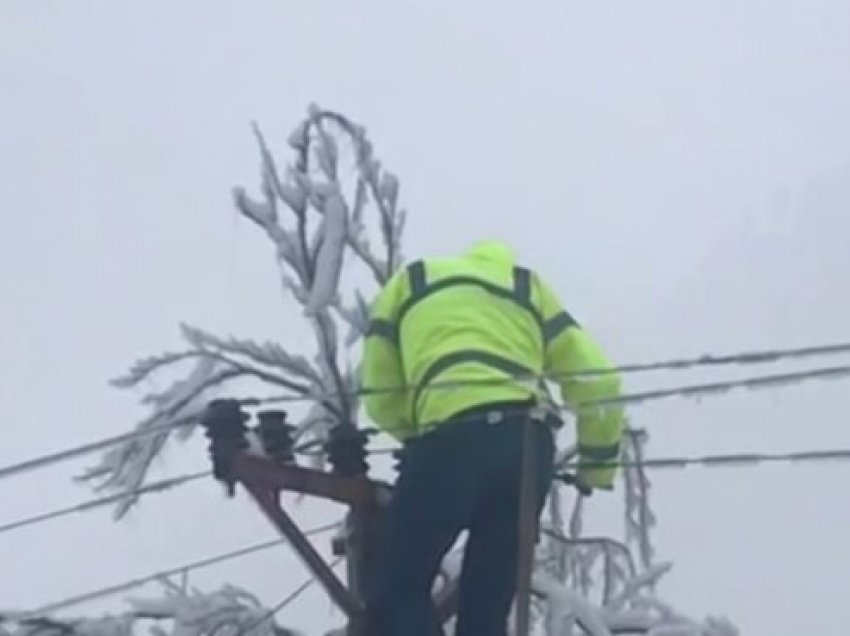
column 457, row 331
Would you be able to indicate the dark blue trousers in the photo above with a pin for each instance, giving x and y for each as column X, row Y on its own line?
column 463, row 475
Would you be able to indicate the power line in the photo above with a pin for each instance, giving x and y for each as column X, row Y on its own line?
column 734, row 459
column 629, row 398
column 138, row 582
column 684, row 391
column 661, row 462
column 724, row 459
column 714, row 388
column 753, row 382
column 92, row 447
column 694, row 390
column 744, row 358
column 709, row 388
column 756, row 382
column 86, row 506
column 727, row 460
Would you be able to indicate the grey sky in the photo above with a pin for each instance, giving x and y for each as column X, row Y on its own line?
column 678, row 170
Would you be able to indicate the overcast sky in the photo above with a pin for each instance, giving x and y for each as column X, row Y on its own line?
column 679, row 171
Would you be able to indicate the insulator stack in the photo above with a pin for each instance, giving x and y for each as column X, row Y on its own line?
column 276, row 435
column 224, row 421
column 346, row 449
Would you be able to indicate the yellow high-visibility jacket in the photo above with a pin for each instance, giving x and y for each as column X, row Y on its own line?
column 456, row 331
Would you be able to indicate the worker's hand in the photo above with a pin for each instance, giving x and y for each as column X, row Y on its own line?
column 598, row 477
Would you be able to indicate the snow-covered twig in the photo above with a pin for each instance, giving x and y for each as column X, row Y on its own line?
column 647, row 578
column 565, row 604
column 639, row 516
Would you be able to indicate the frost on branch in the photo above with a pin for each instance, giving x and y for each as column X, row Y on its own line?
column 600, row 585
column 329, row 255
column 639, row 516
column 228, row 611
column 44, row 626
column 569, row 612
column 319, row 224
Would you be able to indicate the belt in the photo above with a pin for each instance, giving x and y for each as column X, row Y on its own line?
column 496, row 412
column 491, row 413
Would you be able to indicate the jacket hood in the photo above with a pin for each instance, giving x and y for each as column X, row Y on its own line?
column 492, row 251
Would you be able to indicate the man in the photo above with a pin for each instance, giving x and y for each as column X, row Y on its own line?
column 458, row 333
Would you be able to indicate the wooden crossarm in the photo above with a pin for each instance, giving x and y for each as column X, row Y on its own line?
column 357, row 490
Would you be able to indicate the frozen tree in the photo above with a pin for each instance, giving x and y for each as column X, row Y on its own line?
column 316, row 221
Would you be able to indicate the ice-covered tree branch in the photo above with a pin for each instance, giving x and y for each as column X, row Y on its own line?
column 314, row 217
column 638, row 514
column 226, row 612
column 594, row 584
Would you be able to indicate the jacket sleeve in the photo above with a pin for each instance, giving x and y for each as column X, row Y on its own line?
column 382, row 375
column 570, row 349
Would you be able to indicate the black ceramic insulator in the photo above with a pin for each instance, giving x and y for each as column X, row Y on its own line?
column 276, row 435
column 346, row 449
column 224, row 421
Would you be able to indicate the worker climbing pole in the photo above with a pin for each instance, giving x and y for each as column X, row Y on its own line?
column 479, row 457
column 470, row 336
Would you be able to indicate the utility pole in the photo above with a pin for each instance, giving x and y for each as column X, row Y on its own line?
column 527, row 529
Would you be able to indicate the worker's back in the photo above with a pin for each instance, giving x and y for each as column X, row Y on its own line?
column 469, row 324
column 478, row 329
